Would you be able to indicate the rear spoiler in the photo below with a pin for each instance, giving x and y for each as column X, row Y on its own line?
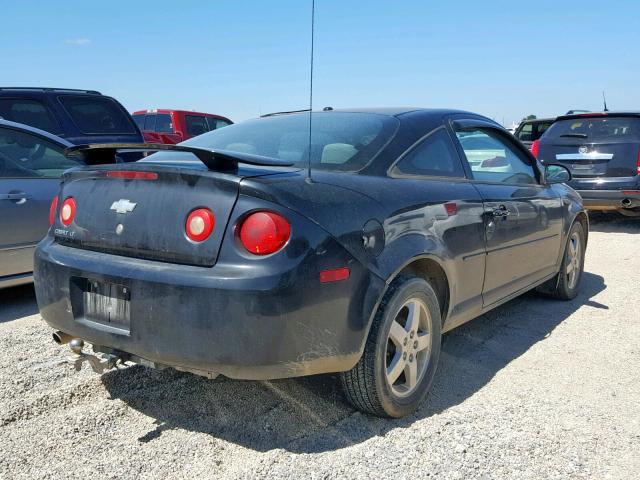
column 101, row 153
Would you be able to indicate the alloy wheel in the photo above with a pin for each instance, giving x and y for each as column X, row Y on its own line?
column 408, row 347
column 573, row 262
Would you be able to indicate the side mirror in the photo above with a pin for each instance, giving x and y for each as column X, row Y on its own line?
column 554, row 173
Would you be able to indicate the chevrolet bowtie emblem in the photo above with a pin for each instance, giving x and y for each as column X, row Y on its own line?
column 123, row 206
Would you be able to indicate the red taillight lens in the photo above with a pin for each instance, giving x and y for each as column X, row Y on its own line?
column 638, row 163
column 132, row 175
column 535, row 148
column 263, row 233
column 199, row 225
column 68, row 211
column 52, row 210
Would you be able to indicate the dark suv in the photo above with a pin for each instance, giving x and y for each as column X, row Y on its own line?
column 602, row 151
column 79, row 116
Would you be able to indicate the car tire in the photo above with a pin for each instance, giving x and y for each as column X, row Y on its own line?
column 567, row 283
column 401, row 353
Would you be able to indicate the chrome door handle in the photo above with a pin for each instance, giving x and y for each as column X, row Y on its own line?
column 501, row 212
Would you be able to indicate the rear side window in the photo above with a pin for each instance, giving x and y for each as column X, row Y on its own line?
column 29, row 112
column 596, row 129
column 97, row 115
column 492, row 159
column 435, row 156
column 196, row 125
column 164, row 123
column 216, row 123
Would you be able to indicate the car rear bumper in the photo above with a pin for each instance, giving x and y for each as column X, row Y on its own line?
column 610, row 199
column 608, row 193
column 219, row 320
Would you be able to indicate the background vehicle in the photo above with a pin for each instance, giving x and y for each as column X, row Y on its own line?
column 531, row 130
column 175, row 126
column 78, row 116
column 602, row 150
column 31, row 163
column 394, row 238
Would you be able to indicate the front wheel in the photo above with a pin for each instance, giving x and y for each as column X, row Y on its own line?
column 401, row 354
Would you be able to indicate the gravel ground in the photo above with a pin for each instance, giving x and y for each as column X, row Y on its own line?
column 535, row 389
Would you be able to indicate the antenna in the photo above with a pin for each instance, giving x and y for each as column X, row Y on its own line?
column 313, row 14
column 604, row 99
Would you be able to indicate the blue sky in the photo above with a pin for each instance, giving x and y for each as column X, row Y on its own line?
column 244, row 58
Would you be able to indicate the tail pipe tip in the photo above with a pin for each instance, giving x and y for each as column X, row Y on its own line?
column 626, row 202
column 61, row 338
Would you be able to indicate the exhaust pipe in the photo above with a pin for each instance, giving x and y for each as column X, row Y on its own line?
column 626, row 202
column 61, row 338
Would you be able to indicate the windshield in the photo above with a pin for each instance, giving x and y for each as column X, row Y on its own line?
column 339, row 141
column 596, row 129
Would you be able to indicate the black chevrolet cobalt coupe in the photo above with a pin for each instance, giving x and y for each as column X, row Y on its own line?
column 259, row 251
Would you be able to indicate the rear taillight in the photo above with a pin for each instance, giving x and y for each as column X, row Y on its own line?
column 535, row 148
column 262, row 233
column 68, row 211
column 199, row 224
column 638, row 163
column 53, row 209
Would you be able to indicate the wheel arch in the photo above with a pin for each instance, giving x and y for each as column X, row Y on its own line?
column 431, row 269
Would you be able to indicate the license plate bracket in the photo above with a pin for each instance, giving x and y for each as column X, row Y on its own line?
column 107, row 304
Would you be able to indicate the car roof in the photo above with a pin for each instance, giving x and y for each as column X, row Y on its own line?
column 44, row 90
column 176, row 110
column 600, row 114
column 35, row 131
column 388, row 111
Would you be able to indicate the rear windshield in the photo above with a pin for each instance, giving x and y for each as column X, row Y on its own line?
column 97, row 115
column 339, row 141
column 596, row 129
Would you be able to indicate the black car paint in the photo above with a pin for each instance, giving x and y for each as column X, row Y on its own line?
column 607, row 183
column 269, row 317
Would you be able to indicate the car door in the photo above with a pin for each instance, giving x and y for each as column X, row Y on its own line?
column 523, row 218
column 30, row 170
column 446, row 215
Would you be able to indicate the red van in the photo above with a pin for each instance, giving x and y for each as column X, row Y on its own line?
column 175, row 126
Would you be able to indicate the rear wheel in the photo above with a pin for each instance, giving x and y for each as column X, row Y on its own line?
column 568, row 281
column 401, row 355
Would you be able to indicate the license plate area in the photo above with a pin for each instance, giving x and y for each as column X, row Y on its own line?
column 103, row 304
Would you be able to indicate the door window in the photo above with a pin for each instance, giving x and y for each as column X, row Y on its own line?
column 434, row 156
column 492, row 159
column 23, row 155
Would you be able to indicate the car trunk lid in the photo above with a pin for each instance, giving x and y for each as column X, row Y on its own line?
column 140, row 210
